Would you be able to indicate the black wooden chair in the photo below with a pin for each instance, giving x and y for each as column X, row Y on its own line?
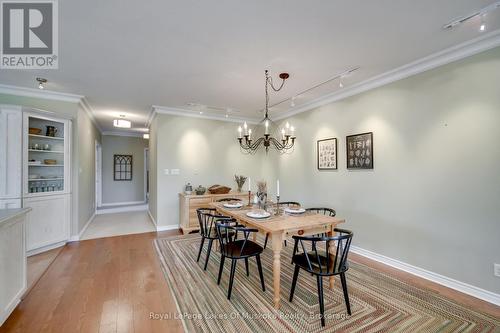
column 321, row 262
column 207, row 218
column 286, row 204
column 324, row 211
column 228, row 199
column 236, row 249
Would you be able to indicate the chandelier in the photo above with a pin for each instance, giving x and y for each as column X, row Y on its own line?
column 282, row 140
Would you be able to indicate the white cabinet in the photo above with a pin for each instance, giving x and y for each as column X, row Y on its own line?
column 12, row 261
column 10, row 203
column 48, row 221
column 10, row 151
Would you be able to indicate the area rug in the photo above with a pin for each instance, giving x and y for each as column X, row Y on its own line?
column 379, row 302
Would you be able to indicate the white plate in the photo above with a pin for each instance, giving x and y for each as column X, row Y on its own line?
column 259, row 214
column 233, row 205
column 294, row 210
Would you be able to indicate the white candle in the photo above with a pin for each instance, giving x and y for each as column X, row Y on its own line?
column 239, row 132
column 249, row 184
column 267, row 126
column 245, row 126
column 283, row 134
column 278, row 187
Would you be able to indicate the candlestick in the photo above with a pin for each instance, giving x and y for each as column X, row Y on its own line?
column 249, row 199
column 249, row 184
column 277, row 205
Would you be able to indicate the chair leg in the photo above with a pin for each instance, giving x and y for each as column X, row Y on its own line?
column 259, row 266
column 294, row 281
column 201, row 248
column 246, row 266
column 285, row 242
column 231, row 278
column 294, row 250
column 221, row 268
column 346, row 294
column 208, row 253
column 265, row 242
column 320, row 296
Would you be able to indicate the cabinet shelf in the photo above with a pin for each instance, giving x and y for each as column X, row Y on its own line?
column 45, row 165
column 45, row 137
column 46, row 151
column 44, row 179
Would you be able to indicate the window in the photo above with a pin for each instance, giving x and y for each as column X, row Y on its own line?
column 122, row 167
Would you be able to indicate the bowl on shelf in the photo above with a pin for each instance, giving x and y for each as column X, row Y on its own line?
column 50, row 161
column 34, row 162
column 33, row 176
column 34, row 130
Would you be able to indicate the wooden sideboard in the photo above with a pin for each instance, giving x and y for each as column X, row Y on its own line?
column 188, row 204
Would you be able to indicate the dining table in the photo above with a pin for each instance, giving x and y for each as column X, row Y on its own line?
column 280, row 225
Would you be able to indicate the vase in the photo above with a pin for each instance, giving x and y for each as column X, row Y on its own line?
column 262, row 200
column 240, row 187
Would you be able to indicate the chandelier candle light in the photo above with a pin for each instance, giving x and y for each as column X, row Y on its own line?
column 286, row 136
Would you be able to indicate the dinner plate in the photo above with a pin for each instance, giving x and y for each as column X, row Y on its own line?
column 259, row 214
column 233, row 205
column 295, row 210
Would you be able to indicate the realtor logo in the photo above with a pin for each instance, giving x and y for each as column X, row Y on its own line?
column 29, row 36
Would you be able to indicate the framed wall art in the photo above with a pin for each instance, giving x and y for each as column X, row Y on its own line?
column 327, row 154
column 360, row 151
column 122, row 167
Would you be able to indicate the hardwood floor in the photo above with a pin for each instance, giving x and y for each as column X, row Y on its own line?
column 38, row 264
column 113, row 284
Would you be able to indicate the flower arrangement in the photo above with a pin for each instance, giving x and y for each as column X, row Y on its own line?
column 240, row 180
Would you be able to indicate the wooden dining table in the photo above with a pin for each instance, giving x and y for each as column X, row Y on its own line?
column 280, row 225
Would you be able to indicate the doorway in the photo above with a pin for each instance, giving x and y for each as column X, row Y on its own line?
column 98, row 174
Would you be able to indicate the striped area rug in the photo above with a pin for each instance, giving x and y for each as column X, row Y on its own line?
column 379, row 302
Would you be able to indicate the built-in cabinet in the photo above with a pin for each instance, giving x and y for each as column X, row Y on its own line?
column 35, row 173
column 189, row 203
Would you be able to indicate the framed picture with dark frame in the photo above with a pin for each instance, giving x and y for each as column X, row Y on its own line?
column 122, row 167
column 359, row 150
column 327, row 154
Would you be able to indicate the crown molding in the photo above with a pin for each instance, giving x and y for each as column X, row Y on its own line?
column 444, row 57
column 156, row 109
column 53, row 96
column 119, row 133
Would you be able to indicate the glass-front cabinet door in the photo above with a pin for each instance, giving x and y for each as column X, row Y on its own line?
column 46, row 155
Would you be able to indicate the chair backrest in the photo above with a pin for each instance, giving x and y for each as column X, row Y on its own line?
column 329, row 263
column 207, row 218
column 224, row 228
column 324, row 211
column 290, row 203
column 228, row 199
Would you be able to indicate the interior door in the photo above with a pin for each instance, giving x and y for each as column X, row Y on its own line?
column 98, row 174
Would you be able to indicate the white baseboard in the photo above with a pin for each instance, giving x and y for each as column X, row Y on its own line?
column 463, row 287
column 135, row 208
column 45, row 248
column 167, row 227
column 76, row 238
column 152, row 218
column 129, row 203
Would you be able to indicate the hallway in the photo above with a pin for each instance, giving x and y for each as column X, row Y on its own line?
column 118, row 224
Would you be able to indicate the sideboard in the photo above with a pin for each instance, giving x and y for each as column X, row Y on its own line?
column 189, row 203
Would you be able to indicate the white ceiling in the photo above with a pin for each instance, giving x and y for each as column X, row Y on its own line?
column 125, row 56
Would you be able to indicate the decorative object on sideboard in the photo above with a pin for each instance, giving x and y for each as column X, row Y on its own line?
column 188, row 188
column 51, row 131
column 327, row 154
column 262, row 194
column 219, row 189
column 200, row 190
column 359, row 150
column 35, row 131
column 282, row 140
column 240, row 181
column 122, row 167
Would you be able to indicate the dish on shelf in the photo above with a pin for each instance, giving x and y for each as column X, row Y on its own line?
column 258, row 214
column 34, row 162
column 294, row 210
column 33, row 176
column 50, row 177
column 233, row 205
column 34, row 130
column 50, row 161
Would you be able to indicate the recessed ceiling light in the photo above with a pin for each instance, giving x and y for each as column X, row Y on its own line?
column 41, row 81
column 145, row 136
column 122, row 123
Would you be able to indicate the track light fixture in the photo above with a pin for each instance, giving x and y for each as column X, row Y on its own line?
column 481, row 12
